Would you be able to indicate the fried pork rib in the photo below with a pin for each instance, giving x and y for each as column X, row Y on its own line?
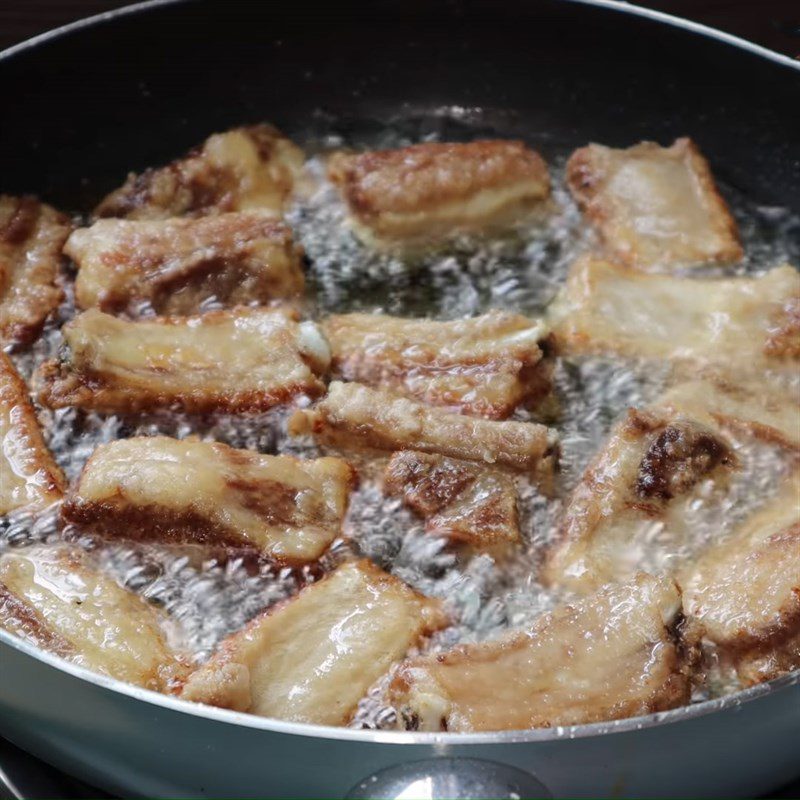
column 231, row 361
column 58, row 600
column 205, row 492
column 472, row 504
column 28, row 475
column 654, row 206
column 643, row 477
column 31, row 237
column 174, row 266
column 485, row 366
column 607, row 657
column 352, row 415
column 244, row 168
column 748, row 323
column 313, row 658
column 430, row 191
column 744, row 593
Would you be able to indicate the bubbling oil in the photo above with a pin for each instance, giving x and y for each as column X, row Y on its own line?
column 209, row 598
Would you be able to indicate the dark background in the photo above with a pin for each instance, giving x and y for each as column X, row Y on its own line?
column 772, row 23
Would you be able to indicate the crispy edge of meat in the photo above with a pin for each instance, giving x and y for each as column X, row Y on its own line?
column 31, row 238
column 586, row 179
column 39, row 465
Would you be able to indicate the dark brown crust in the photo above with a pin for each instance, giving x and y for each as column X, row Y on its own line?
column 428, row 483
column 411, row 178
column 31, row 237
column 14, row 395
column 783, row 340
column 29, row 623
column 190, row 185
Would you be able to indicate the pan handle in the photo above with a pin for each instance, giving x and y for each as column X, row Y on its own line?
column 457, row 778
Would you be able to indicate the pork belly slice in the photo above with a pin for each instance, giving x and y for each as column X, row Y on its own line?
column 430, row 191
column 609, row 656
column 469, row 503
column 744, row 593
column 31, row 237
column 60, row 601
column 485, row 366
column 240, row 169
column 29, row 476
column 190, row 491
column 174, row 266
column 757, row 409
column 649, row 471
column 353, row 415
column 744, row 323
column 654, row 206
column 314, row 657
column 229, row 361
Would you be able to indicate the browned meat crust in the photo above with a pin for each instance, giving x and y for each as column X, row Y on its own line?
column 352, row 415
column 162, row 489
column 28, row 475
column 245, row 360
column 31, row 237
column 472, row 504
column 175, row 266
column 485, row 366
column 251, row 167
column 432, row 190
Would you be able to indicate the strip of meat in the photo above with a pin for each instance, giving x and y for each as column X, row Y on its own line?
column 31, row 237
column 484, row 366
column 313, row 658
column 28, row 475
column 244, row 168
column 654, row 206
column 471, row 504
column 174, row 266
column 736, row 322
column 430, row 191
column 57, row 599
column 759, row 409
column 607, row 657
column 644, row 475
column 230, row 361
column 744, row 593
column 206, row 492
column 352, row 415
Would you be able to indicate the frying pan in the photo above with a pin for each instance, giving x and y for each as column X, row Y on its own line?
column 134, row 87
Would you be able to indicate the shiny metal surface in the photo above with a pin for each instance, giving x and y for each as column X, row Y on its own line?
column 456, row 778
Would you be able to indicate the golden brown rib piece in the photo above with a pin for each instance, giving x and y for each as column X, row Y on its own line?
column 28, row 475
column 744, row 593
column 206, row 492
column 643, row 476
column 471, row 504
column 240, row 169
column 313, row 658
column 484, row 366
column 31, row 237
column 173, row 266
column 758, row 409
column 230, row 361
column 352, row 415
column 430, row 191
column 654, row 206
column 57, row 599
column 735, row 322
column 607, row 657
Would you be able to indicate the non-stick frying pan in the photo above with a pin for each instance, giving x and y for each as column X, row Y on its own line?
column 132, row 88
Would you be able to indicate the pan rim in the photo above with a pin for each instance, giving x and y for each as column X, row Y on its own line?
column 241, row 719
column 620, row 6
column 268, row 724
